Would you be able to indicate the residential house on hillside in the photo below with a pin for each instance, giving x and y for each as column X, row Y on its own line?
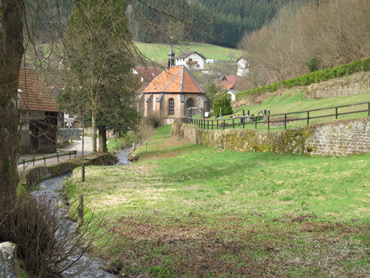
column 243, row 67
column 228, row 84
column 192, row 60
column 173, row 94
column 39, row 114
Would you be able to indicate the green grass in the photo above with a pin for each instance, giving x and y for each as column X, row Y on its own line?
column 186, row 210
column 159, row 52
column 115, row 145
column 294, row 100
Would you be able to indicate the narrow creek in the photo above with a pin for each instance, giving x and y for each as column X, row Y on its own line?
column 86, row 266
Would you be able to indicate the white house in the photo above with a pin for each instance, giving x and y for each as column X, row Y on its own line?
column 232, row 93
column 243, row 67
column 192, row 60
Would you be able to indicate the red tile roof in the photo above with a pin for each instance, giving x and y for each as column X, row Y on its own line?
column 226, row 85
column 34, row 96
column 148, row 74
column 231, row 78
column 175, row 80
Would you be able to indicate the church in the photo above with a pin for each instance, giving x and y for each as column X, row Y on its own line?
column 172, row 94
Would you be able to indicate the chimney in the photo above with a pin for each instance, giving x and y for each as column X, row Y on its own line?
column 171, row 58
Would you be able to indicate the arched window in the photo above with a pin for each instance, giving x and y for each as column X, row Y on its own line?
column 190, row 103
column 171, row 107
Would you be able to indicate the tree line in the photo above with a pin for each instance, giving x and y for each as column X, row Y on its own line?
column 221, row 22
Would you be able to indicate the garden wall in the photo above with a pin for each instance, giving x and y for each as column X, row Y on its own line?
column 340, row 138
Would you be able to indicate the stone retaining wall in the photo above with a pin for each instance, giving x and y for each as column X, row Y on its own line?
column 33, row 176
column 340, row 138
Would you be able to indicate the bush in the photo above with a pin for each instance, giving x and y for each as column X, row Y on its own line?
column 45, row 244
column 153, row 120
column 222, row 102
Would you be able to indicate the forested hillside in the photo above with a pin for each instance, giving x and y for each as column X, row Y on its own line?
column 220, row 22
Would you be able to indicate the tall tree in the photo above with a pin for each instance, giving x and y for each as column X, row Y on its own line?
column 12, row 50
column 100, row 55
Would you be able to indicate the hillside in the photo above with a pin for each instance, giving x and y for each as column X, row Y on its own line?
column 159, row 52
column 220, row 22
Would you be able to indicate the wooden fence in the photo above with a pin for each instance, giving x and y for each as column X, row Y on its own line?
column 45, row 157
column 274, row 119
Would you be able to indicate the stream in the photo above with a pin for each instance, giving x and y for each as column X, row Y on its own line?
column 86, row 266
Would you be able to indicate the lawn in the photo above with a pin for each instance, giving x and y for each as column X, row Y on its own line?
column 159, row 52
column 186, row 210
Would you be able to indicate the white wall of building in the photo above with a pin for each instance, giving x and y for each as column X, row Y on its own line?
column 192, row 57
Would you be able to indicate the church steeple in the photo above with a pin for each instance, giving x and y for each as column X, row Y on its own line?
column 171, row 58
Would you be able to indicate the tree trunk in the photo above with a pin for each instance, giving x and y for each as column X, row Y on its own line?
column 93, row 124
column 12, row 50
column 102, row 138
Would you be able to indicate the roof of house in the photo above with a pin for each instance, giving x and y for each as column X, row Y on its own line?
column 148, row 74
column 230, row 78
column 186, row 54
column 226, row 85
column 34, row 94
column 177, row 79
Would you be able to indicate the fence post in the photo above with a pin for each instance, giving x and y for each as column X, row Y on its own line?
column 268, row 122
column 57, row 157
column 255, row 122
column 44, row 161
column 244, row 122
column 75, row 153
column 233, row 123
column 80, row 210
column 285, row 121
column 368, row 109
column 212, row 124
column 336, row 112
column 24, row 164
column 224, row 124
column 207, row 124
column 308, row 117
column 216, row 124
column 33, row 161
column 70, row 156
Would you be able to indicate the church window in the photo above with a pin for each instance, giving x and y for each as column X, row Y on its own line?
column 171, row 107
column 190, row 103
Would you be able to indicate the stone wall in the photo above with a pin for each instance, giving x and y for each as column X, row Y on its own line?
column 8, row 260
column 340, row 138
column 34, row 175
column 355, row 84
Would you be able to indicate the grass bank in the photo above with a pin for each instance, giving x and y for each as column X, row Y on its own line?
column 186, row 210
column 159, row 52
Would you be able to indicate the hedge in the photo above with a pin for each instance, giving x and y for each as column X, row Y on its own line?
column 310, row 78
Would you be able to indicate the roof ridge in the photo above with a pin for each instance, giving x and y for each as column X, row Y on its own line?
column 171, row 80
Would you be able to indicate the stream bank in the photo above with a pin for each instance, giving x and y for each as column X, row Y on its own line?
column 49, row 189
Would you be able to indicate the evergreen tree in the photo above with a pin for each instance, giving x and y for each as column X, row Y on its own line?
column 222, row 103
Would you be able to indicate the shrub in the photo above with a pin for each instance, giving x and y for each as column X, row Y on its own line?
column 45, row 243
column 222, row 102
column 153, row 120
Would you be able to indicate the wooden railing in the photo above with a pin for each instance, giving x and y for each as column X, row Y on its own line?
column 274, row 119
column 45, row 157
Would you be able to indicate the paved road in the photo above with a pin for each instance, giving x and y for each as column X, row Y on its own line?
column 77, row 145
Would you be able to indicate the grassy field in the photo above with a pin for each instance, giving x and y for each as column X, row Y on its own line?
column 159, row 52
column 186, row 210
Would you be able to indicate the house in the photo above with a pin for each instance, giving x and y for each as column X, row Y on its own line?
column 173, row 94
column 243, row 67
column 38, row 114
column 146, row 74
column 232, row 93
column 192, row 60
